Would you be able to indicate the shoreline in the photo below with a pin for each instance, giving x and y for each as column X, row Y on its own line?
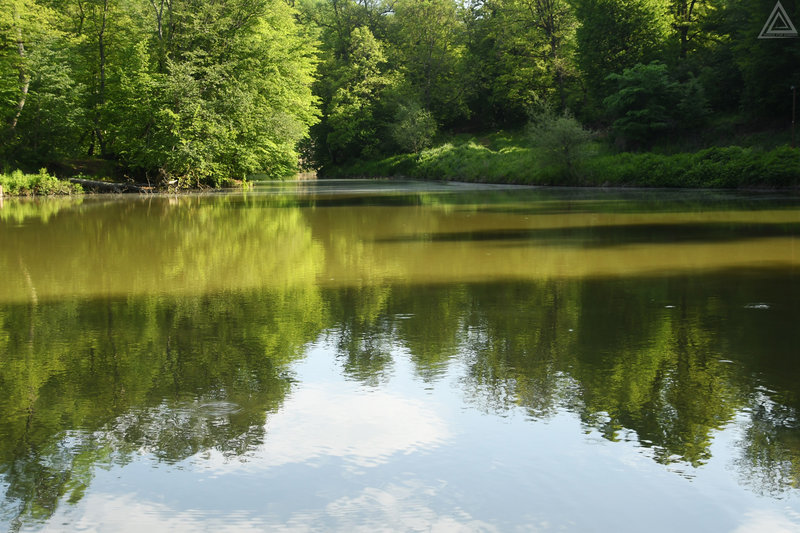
column 512, row 160
column 130, row 190
column 19, row 185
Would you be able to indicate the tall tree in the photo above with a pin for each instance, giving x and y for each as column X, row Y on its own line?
column 687, row 19
column 617, row 34
column 230, row 88
column 352, row 76
column 553, row 25
column 12, row 26
column 528, row 50
column 359, row 87
column 38, row 94
column 429, row 44
column 96, row 27
column 768, row 66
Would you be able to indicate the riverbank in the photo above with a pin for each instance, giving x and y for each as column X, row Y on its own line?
column 17, row 183
column 20, row 184
column 507, row 158
column 510, row 159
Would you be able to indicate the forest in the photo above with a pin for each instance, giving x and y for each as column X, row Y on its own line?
column 207, row 92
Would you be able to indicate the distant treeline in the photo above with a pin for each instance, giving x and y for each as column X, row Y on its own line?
column 204, row 91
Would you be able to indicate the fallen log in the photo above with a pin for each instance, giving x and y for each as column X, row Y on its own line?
column 106, row 186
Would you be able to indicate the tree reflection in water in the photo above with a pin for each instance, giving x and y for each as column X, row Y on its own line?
column 89, row 384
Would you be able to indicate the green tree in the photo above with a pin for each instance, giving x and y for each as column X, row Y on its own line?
column 336, row 22
column 17, row 23
column 768, row 66
column 688, row 17
column 222, row 117
column 643, row 102
column 614, row 35
column 353, row 113
column 170, row 89
column 428, row 46
column 413, row 128
column 532, row 52
column 98, row 18
column 648, row 103
column 39, row 97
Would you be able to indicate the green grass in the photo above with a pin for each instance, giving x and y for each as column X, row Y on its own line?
column 19, row 184
column 505, row 157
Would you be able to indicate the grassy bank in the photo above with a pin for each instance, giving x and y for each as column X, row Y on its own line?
column 508, row 158
column 19, row 184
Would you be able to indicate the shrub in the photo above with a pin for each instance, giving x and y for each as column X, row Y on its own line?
column 781, row 167
column 414, row 128
column 563, row 143
column 19, row 184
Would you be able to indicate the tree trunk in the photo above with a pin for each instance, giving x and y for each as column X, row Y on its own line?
column 24, row 77
column 104, row 186
column 684, row 41
column 162, row 33
column 685, row 18
column 101, row 93
column 559, row 71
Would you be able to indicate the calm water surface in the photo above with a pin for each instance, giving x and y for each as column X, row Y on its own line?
column 398, row 356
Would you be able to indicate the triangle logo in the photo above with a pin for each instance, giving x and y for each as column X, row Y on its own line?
column 778, row 25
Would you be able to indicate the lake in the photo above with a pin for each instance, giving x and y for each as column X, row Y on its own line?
column 401, row 356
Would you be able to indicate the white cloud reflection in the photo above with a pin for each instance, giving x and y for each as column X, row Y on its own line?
column 363, row 429
column 127, row 514
column 357, row 429
column 769, row 521
column 396, row 507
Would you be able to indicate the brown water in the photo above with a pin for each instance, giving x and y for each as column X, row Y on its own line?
column 401, row 356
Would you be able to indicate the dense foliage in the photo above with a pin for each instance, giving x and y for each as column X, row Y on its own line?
column 208, row 91
column 645, row 71
column 172, row 89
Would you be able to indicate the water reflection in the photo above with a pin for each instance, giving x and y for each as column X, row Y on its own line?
column 174, row 378
column 190, row 361
column 90, row 383
column 99, row 247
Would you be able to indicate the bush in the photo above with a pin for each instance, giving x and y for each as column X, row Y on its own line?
column 19, row 184
column 563, row 143
column 414, row 128
column 781, row 167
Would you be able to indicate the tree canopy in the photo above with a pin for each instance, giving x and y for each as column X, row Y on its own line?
column 207, row 91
